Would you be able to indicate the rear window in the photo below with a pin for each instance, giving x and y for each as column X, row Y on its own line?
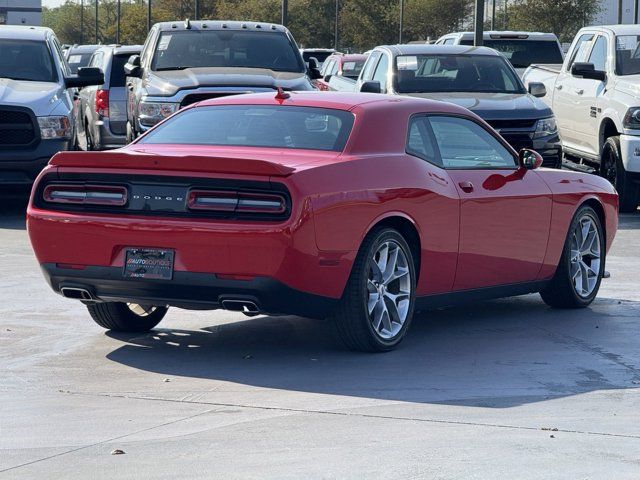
column 118, row 76
column 522, row 53
column 78, row 60
column 256, row 126
column 352, row 68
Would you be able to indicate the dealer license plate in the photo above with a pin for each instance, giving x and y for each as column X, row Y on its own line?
column 149, row 263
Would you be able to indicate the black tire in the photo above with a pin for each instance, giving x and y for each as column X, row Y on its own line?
column 119, row 317
column 87, row 138
column 613, row 170
column 352, row 321
column 131, row 136
column 561, row 292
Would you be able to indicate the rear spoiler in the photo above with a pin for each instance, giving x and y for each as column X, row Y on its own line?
column 187, row 163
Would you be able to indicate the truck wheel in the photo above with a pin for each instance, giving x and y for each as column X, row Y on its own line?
column 377, row 305
column 126, row 317
column 87, row 137
column 130, row 135
column 613, row 170
column 577, row 278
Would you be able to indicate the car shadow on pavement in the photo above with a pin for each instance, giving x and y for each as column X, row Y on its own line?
column 13, row 210
column 629, row 221
column 495, row 354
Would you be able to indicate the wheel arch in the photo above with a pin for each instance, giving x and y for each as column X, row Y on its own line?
column 608, row 128
column 597, row 206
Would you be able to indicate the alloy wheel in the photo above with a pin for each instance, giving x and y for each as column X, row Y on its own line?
column 585, row 256
column 388, row 293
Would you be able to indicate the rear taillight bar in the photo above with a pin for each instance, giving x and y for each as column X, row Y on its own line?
column 85, row 194
column 239, row 202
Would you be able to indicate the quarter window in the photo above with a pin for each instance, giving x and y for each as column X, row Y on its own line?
column 420, row 141
column 464, row 144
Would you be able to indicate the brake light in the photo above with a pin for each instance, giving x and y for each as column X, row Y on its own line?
column 239, row 202
column 102, row 102
column 86, row 195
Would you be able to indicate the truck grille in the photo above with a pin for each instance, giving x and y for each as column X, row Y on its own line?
column 518, row 140
column 16, row 127
column 511, row 124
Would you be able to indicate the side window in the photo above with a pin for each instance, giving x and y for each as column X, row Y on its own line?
column 464, row 144
column 326, row 68
column 381, row 72
column 580, row 50
column 599, row 53
column 420, row 141
column 334, row 68
column 372, row 61
column 59, row 57
column 96, row 60
column 145, row 56
column 449, row 41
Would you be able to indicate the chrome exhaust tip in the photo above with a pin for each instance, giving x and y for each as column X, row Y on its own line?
column 245, row 306
column 76, row 293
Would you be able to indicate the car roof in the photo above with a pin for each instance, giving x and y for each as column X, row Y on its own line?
column 22, row 32
column 418, row 49
column 629, row 29
column 183, row 25
column 121, row 49
column 506, row 34
column 337, row 100
column 84, row 48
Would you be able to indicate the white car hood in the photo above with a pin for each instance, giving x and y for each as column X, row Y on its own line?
column 629, row 84
column 41, row 97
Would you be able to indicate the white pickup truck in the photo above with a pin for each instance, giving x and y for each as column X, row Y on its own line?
column 595, row 96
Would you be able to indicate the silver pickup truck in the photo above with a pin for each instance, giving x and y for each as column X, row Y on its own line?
column 595, row 97
column 37, row 93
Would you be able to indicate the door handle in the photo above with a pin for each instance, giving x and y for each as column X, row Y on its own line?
column 579, row 91
column 559, row 87
column 466, row 187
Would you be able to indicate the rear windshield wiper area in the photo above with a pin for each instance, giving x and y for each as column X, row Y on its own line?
column 174, row 68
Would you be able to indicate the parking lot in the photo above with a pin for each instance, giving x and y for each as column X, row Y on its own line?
column 500, row 389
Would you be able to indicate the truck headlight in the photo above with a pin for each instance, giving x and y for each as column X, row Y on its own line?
column 546, row 127
column 150, row 113
column 57, row 127
column 632, row 118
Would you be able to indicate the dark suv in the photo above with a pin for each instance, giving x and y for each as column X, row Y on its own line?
column 101, row 116
column 184, row 62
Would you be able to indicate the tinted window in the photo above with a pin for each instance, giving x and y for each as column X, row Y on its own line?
column 352, row 68
column 381, row 72
column 26, row 60
column 455, row 73
column 465, row 144
column 118, row 77
column 257, row 126
column 78, row 60
column 598, row 54
column 522, row 53
column 199, row 48
column 420, row 140
column 627, row 54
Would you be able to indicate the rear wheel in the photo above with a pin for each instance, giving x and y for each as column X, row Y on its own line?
column 126, row 317
column 613, row 170
column 377, row 306
column 577, row 279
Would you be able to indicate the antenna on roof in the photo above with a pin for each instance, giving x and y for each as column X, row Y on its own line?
column 282, row 95
column 187, row 24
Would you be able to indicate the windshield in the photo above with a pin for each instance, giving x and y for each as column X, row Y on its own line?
column 455, row 73
column 522, row 53
column 628, row 55
column 256, row 126
column 28, row 60
column 352, row 69
column 319, row 56
column 196, row 48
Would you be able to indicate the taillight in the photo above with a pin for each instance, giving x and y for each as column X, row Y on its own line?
column 86, row 194
column 239, row 202
column 102, row 102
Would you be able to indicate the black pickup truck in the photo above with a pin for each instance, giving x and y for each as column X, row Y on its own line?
column 185, row 62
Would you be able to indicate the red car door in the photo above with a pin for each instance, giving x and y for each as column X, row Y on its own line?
column 505, row 211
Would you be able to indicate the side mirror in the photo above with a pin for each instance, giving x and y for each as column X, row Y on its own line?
column 372, row 86
column 587, row 70
column 86, row 76
column 327, row 78
column 132, row 67
column 529, row 159
column 537, row 89
column 314, row 71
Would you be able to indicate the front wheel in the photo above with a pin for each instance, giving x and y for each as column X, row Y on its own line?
column 126, row 317
column 377, row 306
column 579, row 273
column 613, row 170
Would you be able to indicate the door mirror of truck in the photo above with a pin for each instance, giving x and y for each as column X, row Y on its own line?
column 314, row 71
column 537, row 89
column 587, row 70
column 372, row 86
column 132, row 67
column 529, row 159
column 86, row 76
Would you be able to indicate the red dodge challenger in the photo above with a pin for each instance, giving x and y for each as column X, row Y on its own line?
column 358, row 207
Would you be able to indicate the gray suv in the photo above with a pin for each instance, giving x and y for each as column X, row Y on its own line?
column 185, row 62
column 102, row 109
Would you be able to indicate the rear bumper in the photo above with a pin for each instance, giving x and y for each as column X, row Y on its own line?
column 21, row 167
column 105, row 139
column 189, row 290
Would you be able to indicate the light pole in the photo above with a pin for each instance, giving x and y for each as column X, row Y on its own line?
column 196, row 13
column 479, row 23
column 97, row 26
column 81, row 22
column 284, row 17
column 335, row 32
column 118, row 23
column 493, row 14
column 148, row 15
column 401, row 21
